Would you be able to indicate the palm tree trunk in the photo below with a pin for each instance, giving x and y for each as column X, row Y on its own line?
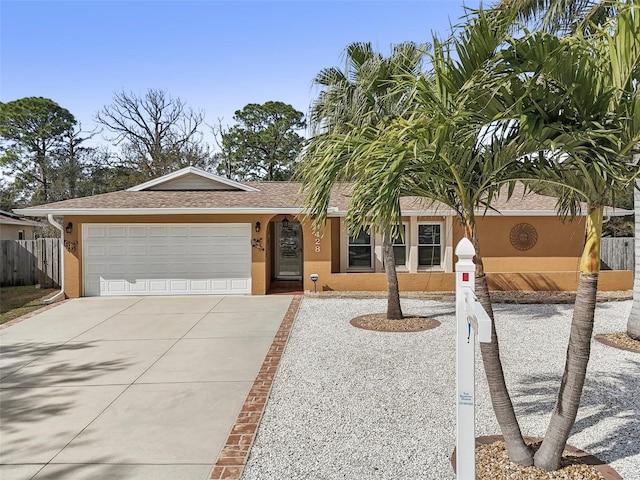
column 578, row 351
column 517, row 449
column 394, row 311
column 633, row 324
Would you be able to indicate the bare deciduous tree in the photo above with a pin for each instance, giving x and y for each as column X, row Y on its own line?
column 157, row 133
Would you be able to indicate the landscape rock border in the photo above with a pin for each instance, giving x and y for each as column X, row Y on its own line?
column 580, row 456
column 497, row 296
column 378, row 322
column 603, row 338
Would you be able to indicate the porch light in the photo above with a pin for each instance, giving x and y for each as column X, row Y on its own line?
column 257, row 227
column 285, row 222
column 69, row 227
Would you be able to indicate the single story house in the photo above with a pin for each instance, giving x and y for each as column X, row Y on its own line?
column 193, row 232
column 12, row 227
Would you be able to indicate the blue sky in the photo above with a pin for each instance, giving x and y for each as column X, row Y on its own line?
column 215, row 55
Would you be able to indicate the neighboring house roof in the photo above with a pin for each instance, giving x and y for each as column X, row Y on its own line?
column 185, row 192
column 8, row 218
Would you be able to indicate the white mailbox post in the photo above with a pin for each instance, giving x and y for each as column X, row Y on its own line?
column 472, row 320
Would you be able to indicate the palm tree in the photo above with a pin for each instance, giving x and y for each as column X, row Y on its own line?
column 568, row 16
column 355, row 98
column 563, row 16
column 581, row 102
column 444, row 152
column 560, row 96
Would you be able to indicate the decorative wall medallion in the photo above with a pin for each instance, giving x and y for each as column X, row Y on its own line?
column 523, row 236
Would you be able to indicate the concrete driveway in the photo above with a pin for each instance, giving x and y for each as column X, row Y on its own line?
column 129, row 388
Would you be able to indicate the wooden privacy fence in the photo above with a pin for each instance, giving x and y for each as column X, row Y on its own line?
column 617, row 253
column 30, row 262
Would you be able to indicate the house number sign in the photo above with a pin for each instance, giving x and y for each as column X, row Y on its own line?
column 316, row 241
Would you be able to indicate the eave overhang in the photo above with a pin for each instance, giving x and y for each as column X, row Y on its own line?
column 35, row 212
column 608, row 212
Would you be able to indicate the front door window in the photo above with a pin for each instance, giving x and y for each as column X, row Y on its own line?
column 288, row 253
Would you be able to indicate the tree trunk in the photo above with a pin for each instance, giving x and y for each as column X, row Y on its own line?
column 517, row 449
column 564, row 414
column 633, row 324
column 578, row 351
column 73, row 166
column 394, row 311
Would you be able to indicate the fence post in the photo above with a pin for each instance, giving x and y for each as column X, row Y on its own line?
column 465, row 365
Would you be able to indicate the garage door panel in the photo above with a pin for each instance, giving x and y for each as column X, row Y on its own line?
column 236, row 250
column 179, row 271
column 218, row 286
column 94, row 231
column 179, row 231
column 205, row 270
column 116, row 286
column 179, row 286
column 134, row 268
column 159, row 286
column 117, row 232
column 137, row 250
column 202, row 231
column 117, row 250
column 178, row 250
column 158, row 268
column 96, row 250
column 204, row 249
column 138, row 287
column 157, row 231
column 151, row 259
column 114, row 269
column 158, row 250
column 200, row 286
column 137, row 232
column 239, row 284
column 207, row 262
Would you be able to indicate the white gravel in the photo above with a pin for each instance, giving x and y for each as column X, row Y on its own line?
column 356, row 404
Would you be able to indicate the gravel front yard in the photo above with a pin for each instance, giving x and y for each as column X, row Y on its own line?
column 356, row 404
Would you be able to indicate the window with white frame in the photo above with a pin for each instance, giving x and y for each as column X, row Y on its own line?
column 400, row 247
column 429, row 245
column 360, row 248
column 21, row 235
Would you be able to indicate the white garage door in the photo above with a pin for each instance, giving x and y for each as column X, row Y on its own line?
column 166, row 259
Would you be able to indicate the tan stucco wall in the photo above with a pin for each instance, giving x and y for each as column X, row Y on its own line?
column 317, row 253
column 555, row 239
column 608, row 280
column 408, row 282
column 10, row 232
column 550, row 265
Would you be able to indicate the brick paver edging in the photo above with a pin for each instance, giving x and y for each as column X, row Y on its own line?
column 235, row 452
